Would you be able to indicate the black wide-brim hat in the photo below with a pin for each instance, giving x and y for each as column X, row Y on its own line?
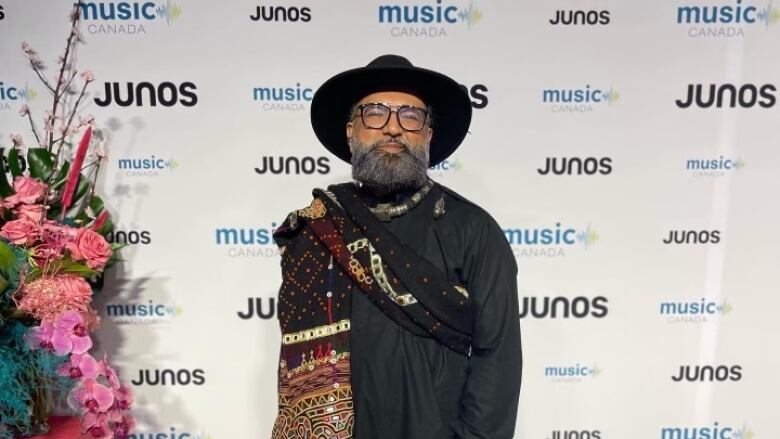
column 450, row 102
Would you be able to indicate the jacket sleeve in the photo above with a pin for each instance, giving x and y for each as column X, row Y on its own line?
column 489, row 402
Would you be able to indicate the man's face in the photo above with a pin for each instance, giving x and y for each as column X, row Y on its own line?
column 389, row 158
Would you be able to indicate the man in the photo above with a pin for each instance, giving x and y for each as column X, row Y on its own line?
column 398, row 307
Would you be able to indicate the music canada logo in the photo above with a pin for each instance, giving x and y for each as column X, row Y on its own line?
column 171, row 433
column 714, row 431
column 579, row 100
column 445, row 167
column 247, row 241
column 727, row 19
column 166, row 94
column 281, row 13
column 728, row 96
column 564, row 307
column 551, row 241
column 579, row 17
column 576, row 166
column 126, row 18
column 700, row 311
column 569, row 373
column 12, row 97
column 141, row 312
column 146, row 166
column 283, row 98
column 708, row 373
column 256, row 308
column 293, row 165
column 427, row 19
column 714, row 167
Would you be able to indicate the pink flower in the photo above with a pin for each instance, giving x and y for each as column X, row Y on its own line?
column 91, row 395
column 24, row 110
column 20, row 232
column 107, row 371
column 40, row 337
column 27, row 191
column 92, row 247
column 123, row 397
column 16, row 139
column 47, row 297
column 87, row 75
column 32, row 212
column 96, row 425
column 70, row 333
column 123, row 424
column 80, row 365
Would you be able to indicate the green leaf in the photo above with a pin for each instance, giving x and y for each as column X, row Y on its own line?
column 3, row 283
column 13, row 163
column 41, row 163
column 7, row 257
column 5, row 187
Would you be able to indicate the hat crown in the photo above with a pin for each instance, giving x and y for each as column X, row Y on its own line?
column 390, row 61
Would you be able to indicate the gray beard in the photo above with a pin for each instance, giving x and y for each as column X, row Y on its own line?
column 384, row 172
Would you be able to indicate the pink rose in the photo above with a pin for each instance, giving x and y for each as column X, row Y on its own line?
column 92, row 247
column 33, row 212
column 28, row 191
column 20, row 232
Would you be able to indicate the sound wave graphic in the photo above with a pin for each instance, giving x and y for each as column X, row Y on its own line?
column 738, row 164
column 169, row 10
column 470, row 15
column 29, row 93
column 769, row 15
column 588, row 236
column 611, row 96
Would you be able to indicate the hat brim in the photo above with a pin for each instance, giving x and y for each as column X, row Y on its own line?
column 451, row 105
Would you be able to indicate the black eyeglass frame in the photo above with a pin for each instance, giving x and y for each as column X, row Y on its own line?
column 392, row 108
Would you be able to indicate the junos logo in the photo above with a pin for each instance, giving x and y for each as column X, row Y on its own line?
column 293, row 165
column 576, row 166
column 694, row 311
column 171, row 433
column 142, row 313
column 714, row 167
column 170, row 377
column 282, row 13
column 708, row 373
column 549, row 242
column 563, row 307
column 130, row 237
column 291, row 98
column 477, row 92
column 166, row 94
column 575, row 434
column 247, row 242
column 715, row 431
column 580, row 17
column 256, row 308
column 2, row 13
column 729, row 96
column 726, row 20
column 148, row 166
column 427, row 19
column 571, row 373
column 692, row 237
column 579, row 100
column 127, row 18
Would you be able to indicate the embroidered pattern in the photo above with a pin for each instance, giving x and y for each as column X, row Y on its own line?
column 315, row 210
column 315, row 333
column 379, row 273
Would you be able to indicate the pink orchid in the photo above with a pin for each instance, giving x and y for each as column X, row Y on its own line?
column 24, row 110
column 80, row 365
column 96, row 425
column 123, row 397
column 40, row 337
column 107, row 371
column 91, row 395
column 122, row 424
column 87, row 76
column 16, row 139
column 71, row 333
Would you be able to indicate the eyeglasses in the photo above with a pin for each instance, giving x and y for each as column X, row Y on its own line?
column 376, row 116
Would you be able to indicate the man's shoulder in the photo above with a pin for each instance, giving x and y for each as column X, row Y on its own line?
column 464, row 207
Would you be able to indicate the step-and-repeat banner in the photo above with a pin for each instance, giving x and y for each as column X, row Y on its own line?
column 629, row 150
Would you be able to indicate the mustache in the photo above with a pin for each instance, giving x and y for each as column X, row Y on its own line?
column 407, row 146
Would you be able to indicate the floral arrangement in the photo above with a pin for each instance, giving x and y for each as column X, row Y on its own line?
column 52, row 256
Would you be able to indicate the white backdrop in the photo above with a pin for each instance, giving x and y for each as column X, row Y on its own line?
column 174, row 309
